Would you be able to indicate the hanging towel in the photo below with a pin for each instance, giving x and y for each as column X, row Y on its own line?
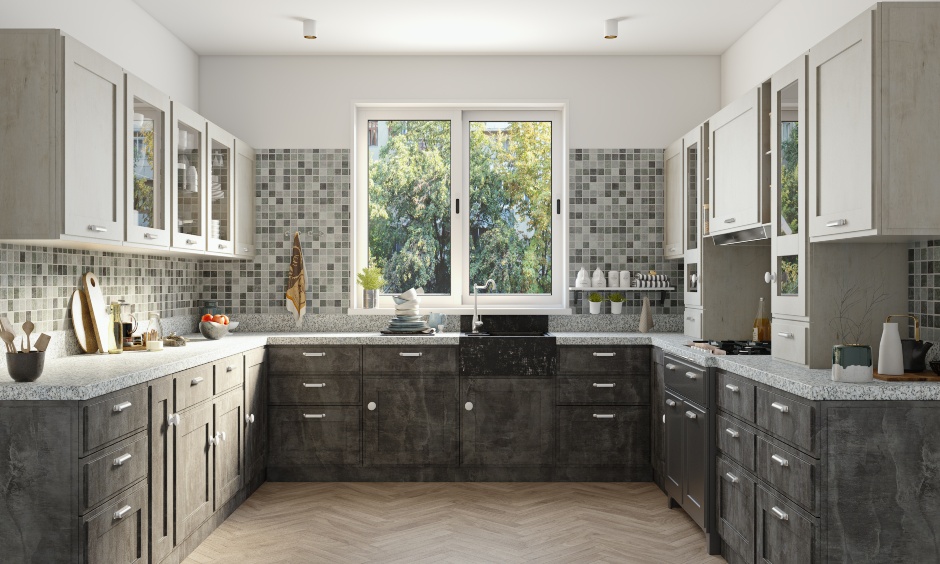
column 297, row 283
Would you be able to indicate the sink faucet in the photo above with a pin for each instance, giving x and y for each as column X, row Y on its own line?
column 477, row 323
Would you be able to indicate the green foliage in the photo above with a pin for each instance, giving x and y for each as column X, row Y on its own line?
column 371, row 278
column 790, row 271
column 595, row 297
column 616, row 297
column 789, row 179
column 143, row 187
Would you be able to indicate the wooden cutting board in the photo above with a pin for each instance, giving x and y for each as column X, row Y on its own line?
column 81, row 321
column 909, row 377
column 99, row 313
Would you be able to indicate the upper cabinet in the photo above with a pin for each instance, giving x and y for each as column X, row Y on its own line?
column 874, row 126
column 221, row 193
column 244, row 200
column 148, row 165
column 695, row 167
column 189, row 186
column 674, row 200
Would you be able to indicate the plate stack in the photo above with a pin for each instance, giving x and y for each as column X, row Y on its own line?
column 407, row 315
column 217, row 192
column 215, row 228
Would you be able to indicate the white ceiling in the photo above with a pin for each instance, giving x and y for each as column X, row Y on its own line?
column 455, row 27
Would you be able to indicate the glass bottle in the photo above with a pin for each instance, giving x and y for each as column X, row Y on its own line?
column 116, row 332
column 761, row 324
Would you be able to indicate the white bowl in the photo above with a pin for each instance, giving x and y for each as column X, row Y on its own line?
column 212, row 330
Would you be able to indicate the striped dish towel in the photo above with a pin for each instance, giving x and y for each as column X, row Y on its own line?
column 651, row 281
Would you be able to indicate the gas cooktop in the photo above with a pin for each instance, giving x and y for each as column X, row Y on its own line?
column 733, row 347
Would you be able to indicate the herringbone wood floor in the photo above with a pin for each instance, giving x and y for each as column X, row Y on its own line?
column 455, row 522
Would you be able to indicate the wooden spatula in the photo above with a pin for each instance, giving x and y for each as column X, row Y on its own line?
column 42, row 342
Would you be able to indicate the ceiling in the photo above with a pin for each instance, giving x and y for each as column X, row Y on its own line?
column 454, row 27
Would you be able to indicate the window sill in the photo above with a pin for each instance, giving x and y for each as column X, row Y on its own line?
column 468, row 310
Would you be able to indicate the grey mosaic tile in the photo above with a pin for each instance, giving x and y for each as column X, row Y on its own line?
column 924, row 290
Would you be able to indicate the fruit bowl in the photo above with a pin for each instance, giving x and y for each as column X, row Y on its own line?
column 212, row 330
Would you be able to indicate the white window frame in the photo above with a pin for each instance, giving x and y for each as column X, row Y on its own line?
column 460, row 115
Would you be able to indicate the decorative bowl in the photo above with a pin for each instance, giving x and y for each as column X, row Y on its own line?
column 25, row 367
column 935, row 365
column 232, row 325
column 212, row 330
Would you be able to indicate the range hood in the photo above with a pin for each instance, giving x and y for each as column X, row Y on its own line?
column 744, row 236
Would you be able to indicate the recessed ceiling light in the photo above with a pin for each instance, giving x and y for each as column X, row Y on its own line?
column 610, row 29
column 310, row 29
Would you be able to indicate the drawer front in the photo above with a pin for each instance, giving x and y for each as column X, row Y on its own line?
column 603, row 360
column 229, row 373
column 107, row 473
column 315, row 359
column 790, row 420
column 603, row 436
column 254, row 357
column 118, row 533
column 784, row 534
column 736, row 441
column 788, row 341
column 409, row 360
column 736, row 498
column 113, row 416
column 795, row 476
column 315, row 389
column 692, row 323
column 193, row 386
column 686, row 379
column 736, row 395
column 603, row 390
column 313, row 436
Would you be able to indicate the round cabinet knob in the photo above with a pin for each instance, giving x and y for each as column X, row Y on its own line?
column 250, row 418
column 173, row 419
column 468, row 406
column 770, row 277
column 371, row 406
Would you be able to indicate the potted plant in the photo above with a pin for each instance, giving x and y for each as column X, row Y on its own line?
column 596, row 301
column 851, row 360
column 371, row 281
column 616, row 302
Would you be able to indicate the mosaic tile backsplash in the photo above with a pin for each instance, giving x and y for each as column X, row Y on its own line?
column 924, row 290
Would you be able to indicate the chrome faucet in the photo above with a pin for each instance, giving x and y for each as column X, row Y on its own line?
column 477, row 323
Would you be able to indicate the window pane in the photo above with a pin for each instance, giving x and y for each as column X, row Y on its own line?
column 789, row 160
column 409, row 204
column 511, row 205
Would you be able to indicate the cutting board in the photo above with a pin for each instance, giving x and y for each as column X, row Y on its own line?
column 99, row 314
column 909, row 377
column 81, row 321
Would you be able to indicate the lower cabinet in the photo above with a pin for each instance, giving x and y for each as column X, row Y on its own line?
column 313, row 436
column 603, row 436
column 735, row 498
column 657, row 421
column 784, row 533
column 162, row 449
column 228, row 446
column 117, row 532
column 195, row 469
column 674, row 463
column 695, row 452
column 255, row 419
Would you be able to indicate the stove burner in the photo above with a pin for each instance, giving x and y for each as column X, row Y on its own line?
column 734, row 347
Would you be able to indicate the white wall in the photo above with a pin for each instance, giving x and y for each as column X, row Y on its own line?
column 306, row 102
column 789, row 29
column 121, row 31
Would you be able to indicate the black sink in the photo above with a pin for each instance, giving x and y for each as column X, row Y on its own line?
column 508, row 334
column 509, row 346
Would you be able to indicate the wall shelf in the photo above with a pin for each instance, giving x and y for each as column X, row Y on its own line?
column 662, row 291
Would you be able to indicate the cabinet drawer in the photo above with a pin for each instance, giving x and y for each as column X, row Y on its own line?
column 788, row 341
column 685, row 379
column 603, row 389
column 229, row 373
column 118, row 533
column 735, row 495
column 692, row 323
column 108, row 418
column 790, row 420
column 785, row 470
column 736, row 441
column 784, row 534
column 736, row 395
column 193, row 386
column 313, row 436
column 105, row 474
column 603, row 360
column 409, row 359
column 254, row 357
column 316, row 389
column 603, row 436
column 315, row 359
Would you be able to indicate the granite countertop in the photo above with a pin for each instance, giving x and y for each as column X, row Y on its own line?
column 88, row 376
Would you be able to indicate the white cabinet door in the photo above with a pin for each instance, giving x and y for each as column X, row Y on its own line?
column 188, row 217
column 148, row 165
column 840, row 131
column 94, row 145
column 244, row 200
column 220, row 210
column 694, row 165
column 735, row 165
column 674, row 202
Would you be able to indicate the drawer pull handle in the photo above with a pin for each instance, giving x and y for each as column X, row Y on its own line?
column 222, row 247
column 468, row 406
column 320, row 385
column 732, row 478
column 734, row 389
column 410, row 354
column 670, row 367
column 734, row 434
column 779, row 513
column 605, row 354
column 691, row 415
column 315, row 354
column 670, row 403
column 690, row 319
column 785, row 335
column 190, row 241
column 691, row 375
column 122, row 512
column 596, row 385
column 603, row 416
column 780, row 407
column 780, row 460
column 173, row 420
column 97, row 229
column 314, row 415
column 196, row 381
column 119, row 461
column 122, row 406
column 250, row 418
column 836, row 223
column 150, row 236
column 371, row 406
column 230, row 369
column 730, row 220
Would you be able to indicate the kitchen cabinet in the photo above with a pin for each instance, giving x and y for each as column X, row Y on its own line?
column 695, row 172
column 117, row 534
column 736, row 501
column 220, row 195
column 244, row 200
column 195, row 469
column 162, row 475
column 228, row 446
column 147, row 142
column 674, row 202
column 658, row 419
column 255, row 418
column 189, row 200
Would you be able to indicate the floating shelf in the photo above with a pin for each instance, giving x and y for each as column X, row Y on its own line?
column 662, row 291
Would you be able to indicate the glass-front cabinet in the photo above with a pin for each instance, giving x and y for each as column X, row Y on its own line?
column 695, row 163
column 189, row 180
column 148, row 164
column 221, row 204
column 244, row 200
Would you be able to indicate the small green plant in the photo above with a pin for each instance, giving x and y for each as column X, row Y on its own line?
column 595, row 297
column 371, row 278
column 616, row 297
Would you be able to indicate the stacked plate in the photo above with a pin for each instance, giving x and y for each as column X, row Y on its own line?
column 217, row 192
column 215, row 228
column 407, row 314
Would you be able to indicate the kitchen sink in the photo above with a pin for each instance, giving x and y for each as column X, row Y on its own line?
column 508, row 334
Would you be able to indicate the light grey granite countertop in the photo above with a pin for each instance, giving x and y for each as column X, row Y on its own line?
column 88, row 376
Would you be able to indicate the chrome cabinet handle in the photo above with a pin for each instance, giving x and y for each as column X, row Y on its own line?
column 691, row 375
column 149, row 236
column 122, row 512
column 780, row 407
column 780, row 460
column 230, row 369
column 315, row 354
column 734, row 389
column 691, row 415
column 730, row 220
column 97, row 228
column 320, row 385
column 411, row 354
column 173, row 419
column 314, row 415
column 732, row 478
column 121, row 406
column 604, row 354
column 734, row 434
column 371, row 406
column 596, row 385
column 119, row 461
column 603, row 416
column 196, row 381
column 836, row 223
column 785, row 335
column 250, row 418
column 779, row 513
column 190, row 241
column 670, row 403
column 245, row 250
column 468, row 406
column 670, row 367
column 222, row 247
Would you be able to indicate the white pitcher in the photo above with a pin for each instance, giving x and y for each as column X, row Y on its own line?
column 890, row 356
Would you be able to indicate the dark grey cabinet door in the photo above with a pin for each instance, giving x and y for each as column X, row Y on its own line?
column 506, row 422
column 735, row 496
column 229, row 446
column 313, row 436
column 162, row 446
column 255, row 421
column 603, row 436
column 194, row 469
column 658, row 425
column 117, row 534
column 696, row 458
column 410, row 421
column 784, row 534
column 674, row 455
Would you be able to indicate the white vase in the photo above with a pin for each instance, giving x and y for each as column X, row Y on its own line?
column 597, row 279
column 616, row 307
column 582, row 281
column 613, row 278
column 890, row 356
column 595, row 307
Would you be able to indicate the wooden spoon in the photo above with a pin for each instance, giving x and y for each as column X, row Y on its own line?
column 8, row 339
column 28, row 329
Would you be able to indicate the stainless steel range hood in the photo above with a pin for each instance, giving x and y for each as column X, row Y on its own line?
column 744, row 236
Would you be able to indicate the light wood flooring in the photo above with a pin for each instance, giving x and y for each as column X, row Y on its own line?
column 455, row 522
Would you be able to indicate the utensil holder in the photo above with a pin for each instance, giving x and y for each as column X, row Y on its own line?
column 25, row 367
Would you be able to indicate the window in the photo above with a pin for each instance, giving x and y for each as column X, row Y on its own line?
column 447, row 198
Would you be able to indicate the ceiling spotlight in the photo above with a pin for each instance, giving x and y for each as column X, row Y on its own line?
column 610, row 29
column 310, row 29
